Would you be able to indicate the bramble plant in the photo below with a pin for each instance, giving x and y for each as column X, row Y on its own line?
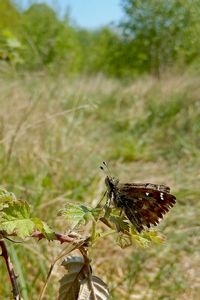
column 17, row 221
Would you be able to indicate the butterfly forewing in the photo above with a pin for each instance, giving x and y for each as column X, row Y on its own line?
column 143, row 204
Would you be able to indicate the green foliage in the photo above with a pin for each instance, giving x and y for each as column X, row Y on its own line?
column 47, row 39
column 54, row 160
column 10, row 48
column 151, row 37
column 10, row 44
column 16, row 218
column 106, row 53
column 78, row 214
column 160, row 33
column 78, row 283
column 128, row 149
column 6, row 198
column 125, row 234
column 172, row 116
column 9, row 16
column 40, row 28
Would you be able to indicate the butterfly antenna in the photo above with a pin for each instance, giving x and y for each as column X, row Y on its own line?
column 105, row 168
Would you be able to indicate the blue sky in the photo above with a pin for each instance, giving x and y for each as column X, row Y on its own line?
column 85, row 13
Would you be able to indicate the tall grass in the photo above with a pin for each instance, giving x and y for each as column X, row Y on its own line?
column 54, row 134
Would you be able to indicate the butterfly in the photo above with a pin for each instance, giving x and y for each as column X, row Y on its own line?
column 144, row 204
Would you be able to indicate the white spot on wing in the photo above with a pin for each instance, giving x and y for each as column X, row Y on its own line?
column 161, row 196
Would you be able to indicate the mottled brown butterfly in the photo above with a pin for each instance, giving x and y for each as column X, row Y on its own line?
column 143, row 204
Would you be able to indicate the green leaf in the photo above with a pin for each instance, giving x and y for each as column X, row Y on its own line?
column 77, row 214
column 142, row 239
column 124, row 240
column 97, row 213
column 154, row 236
column 113, row 217
column 6, row 198
column 122, row 225
column 16, row 219
column 44, row 228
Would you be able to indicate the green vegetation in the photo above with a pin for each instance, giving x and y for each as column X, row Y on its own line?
column 52, row 144
column 152, row 37
column 127, row 94
column 161, row 33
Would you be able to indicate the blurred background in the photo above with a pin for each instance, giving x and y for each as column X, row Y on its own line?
column 86, row 81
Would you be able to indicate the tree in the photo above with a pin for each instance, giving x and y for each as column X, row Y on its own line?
column 9, row 16
column 158, row 33
column 48, row 39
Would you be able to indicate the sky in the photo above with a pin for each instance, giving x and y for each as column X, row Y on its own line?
column 89, row 14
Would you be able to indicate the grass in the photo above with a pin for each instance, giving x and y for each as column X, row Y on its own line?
column 54, row 134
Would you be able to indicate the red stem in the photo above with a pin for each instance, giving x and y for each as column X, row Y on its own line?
column 9, row 265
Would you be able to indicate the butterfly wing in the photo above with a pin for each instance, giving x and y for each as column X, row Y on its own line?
column 144, row 204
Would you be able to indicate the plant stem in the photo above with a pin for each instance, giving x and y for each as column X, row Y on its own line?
column 9, row 265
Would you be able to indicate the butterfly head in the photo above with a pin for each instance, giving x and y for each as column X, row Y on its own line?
column 111, row 183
